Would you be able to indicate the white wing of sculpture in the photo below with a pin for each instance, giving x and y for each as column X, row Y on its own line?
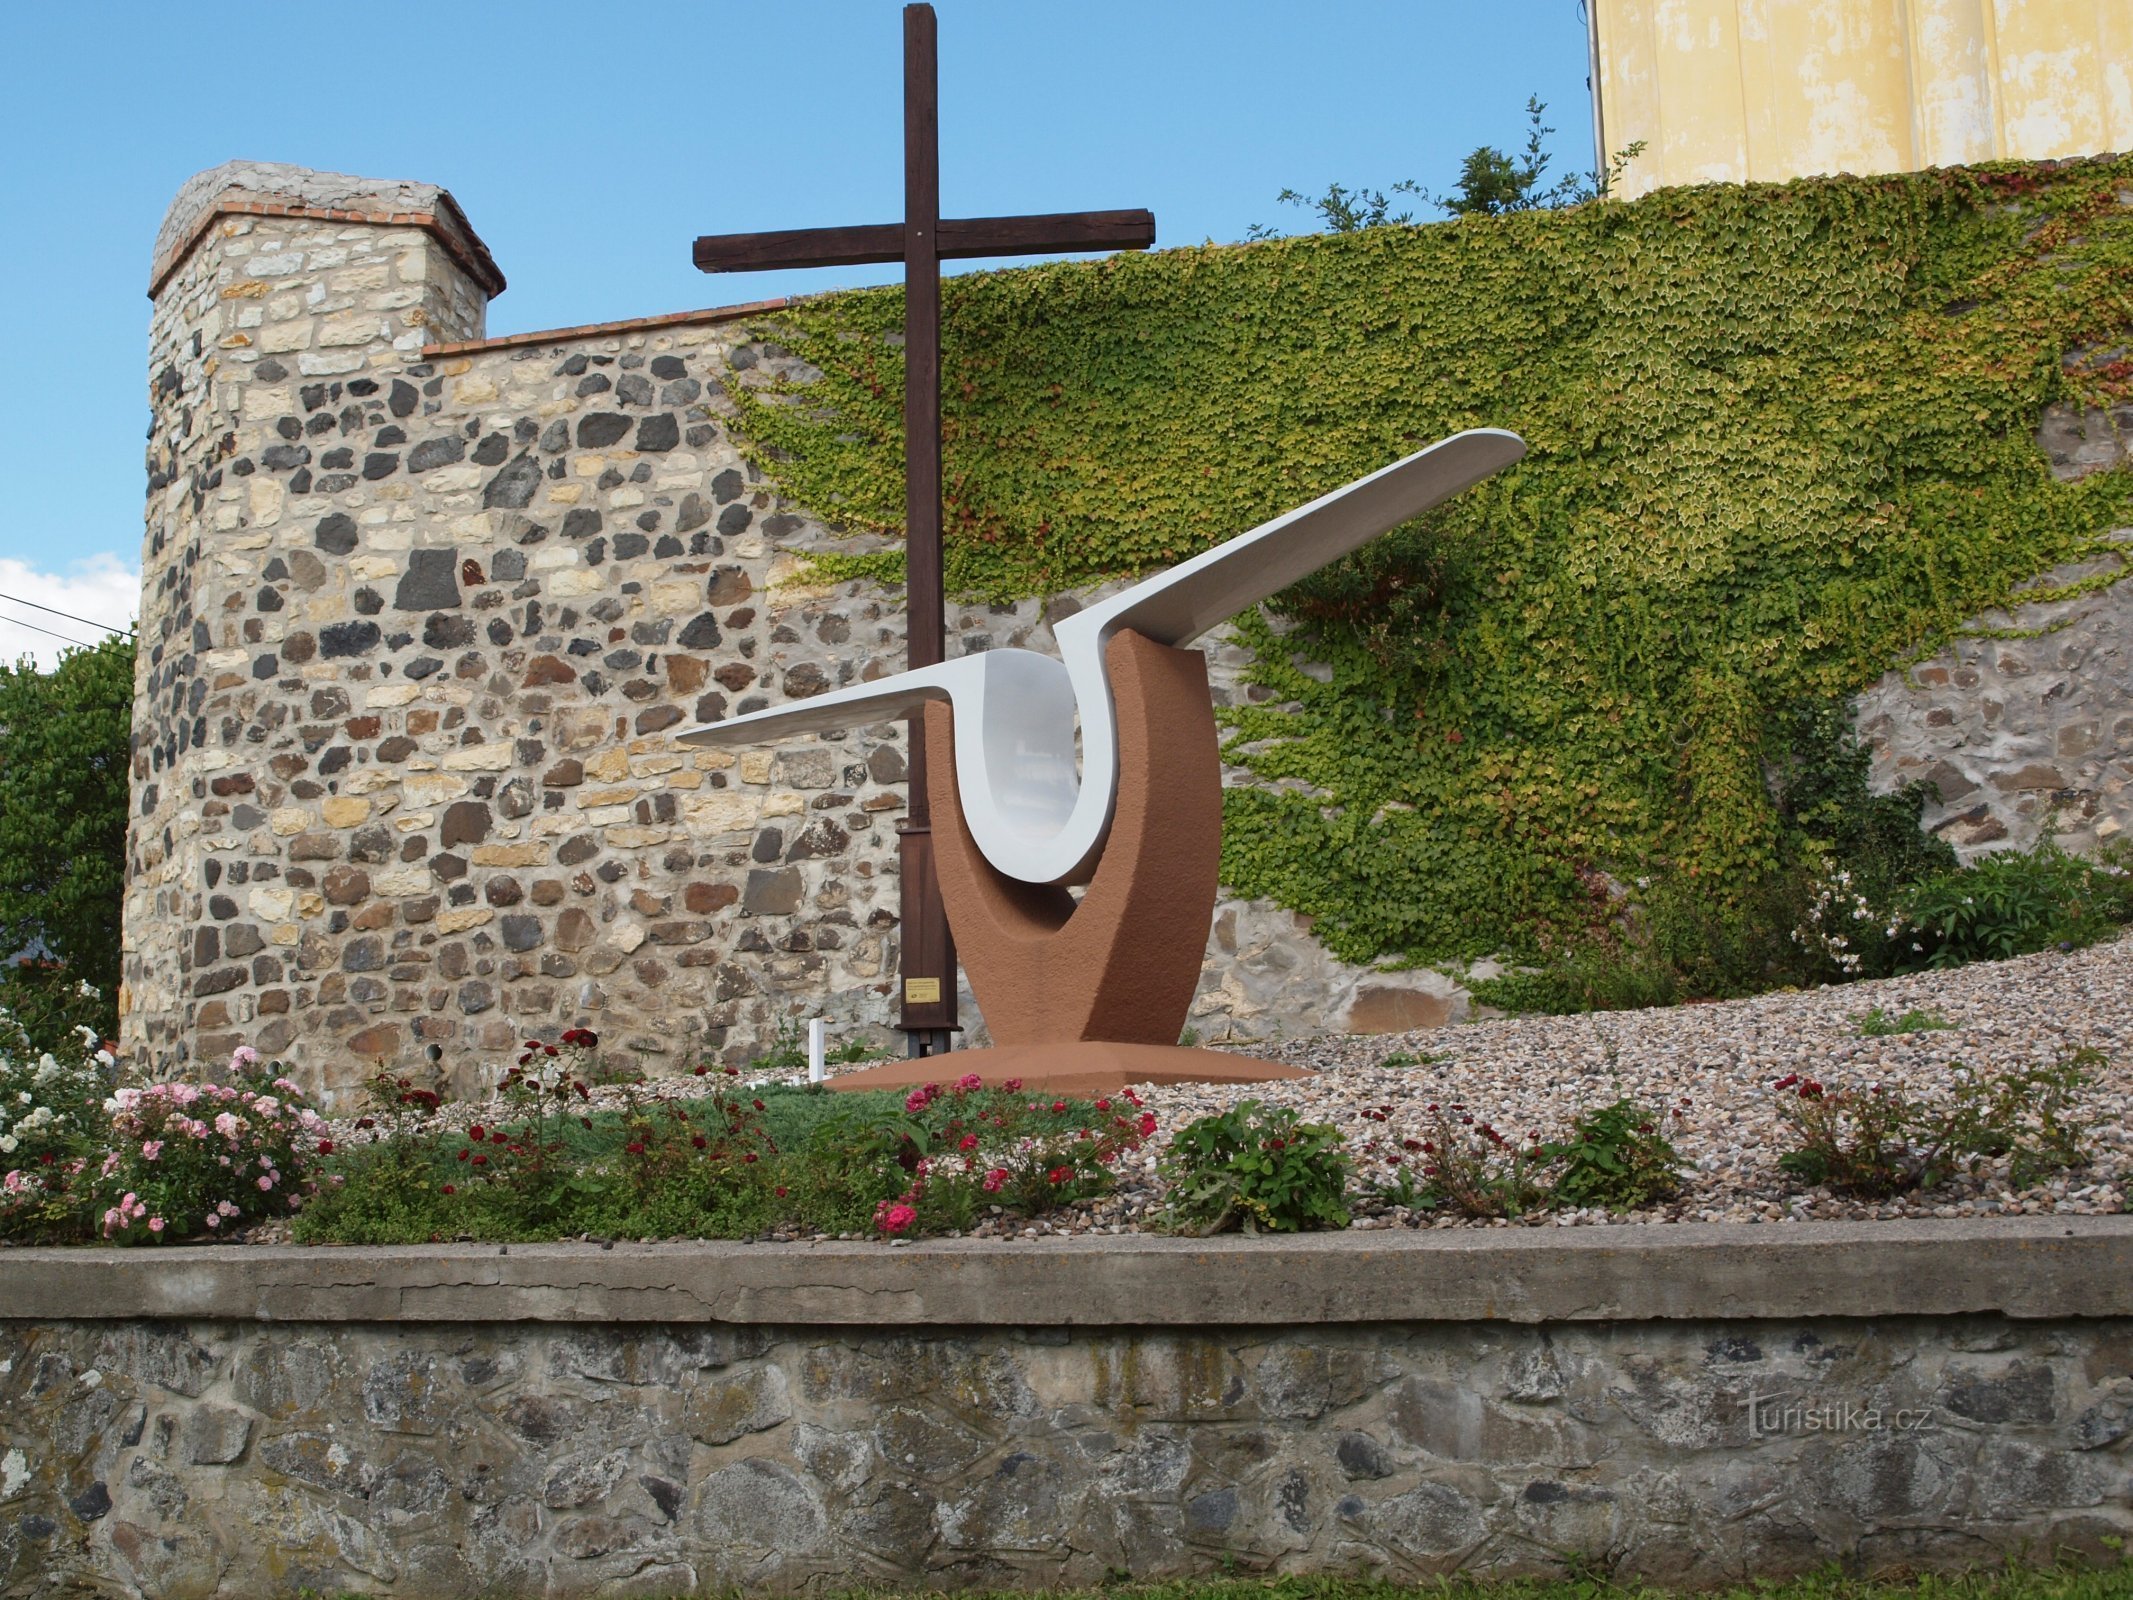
column 1035, row 817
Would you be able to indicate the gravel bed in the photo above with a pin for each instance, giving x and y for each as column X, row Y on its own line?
column 1712, row 1067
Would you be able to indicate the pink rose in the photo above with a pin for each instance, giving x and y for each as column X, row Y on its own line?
column 151, row 1148
column 994, row 1179
column 897, row 1218
column 155, row 1224
column 266, row 1183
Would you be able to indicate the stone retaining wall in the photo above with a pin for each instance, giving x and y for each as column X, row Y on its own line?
column 1660, row 1402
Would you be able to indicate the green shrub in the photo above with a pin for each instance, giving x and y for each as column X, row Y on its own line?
column 1255, row 1167
column 1615, row 1157
column 1470, row 1169
column 44, row 1006
column 51, row 1126
column 1878, row 1141
column 2015, row 903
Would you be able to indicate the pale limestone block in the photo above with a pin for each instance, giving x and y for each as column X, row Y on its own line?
column 368, row 275
column 263, row 401
column 674, row 599
column 492, row 757
column 383, row 696
column 433, row 788
column 459, row 921
column 604, row 816
column 266, row 498
column 401, row 882
column 289, row 820
column 450, row 480
column 610, row 766
column 636, row 838
column 574, row 585
column 285, row 337
column 510, row 855
column 313, row 365
column 475, row 391
column 755, row 766
column 271, row 902
column 721, row 811
column 345, row 811
column 784, row 805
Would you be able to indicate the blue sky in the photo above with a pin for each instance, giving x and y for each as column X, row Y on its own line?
column 589, row 152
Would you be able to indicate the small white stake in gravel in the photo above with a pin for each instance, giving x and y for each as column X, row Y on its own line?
column 817, row 1030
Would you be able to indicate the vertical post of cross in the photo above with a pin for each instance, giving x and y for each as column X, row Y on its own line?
column 928, row 987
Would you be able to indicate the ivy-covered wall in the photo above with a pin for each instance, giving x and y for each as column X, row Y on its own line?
column 1781, row 438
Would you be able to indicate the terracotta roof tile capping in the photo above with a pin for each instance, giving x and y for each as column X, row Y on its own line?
column 275, row 189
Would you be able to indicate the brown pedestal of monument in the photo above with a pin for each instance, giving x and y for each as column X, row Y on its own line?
column 1091, row 996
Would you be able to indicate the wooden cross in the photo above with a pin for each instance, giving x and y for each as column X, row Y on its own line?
column 921, row 242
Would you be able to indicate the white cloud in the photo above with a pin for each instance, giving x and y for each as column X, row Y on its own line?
column 103, row 589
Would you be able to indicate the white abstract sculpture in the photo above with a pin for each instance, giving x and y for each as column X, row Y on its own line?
column 1034, row 817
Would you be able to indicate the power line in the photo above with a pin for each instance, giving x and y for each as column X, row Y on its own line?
column 70, row 616
column 17, row 622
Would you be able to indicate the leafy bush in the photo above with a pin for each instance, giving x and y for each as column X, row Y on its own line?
column 957, row 1149
column 45, row 1007
column 51, row 1119
column 1877, row 1141
column 1470, row 1169
column 1255, row 1167
column 1615, row 1157
column 185, row 1160
column 2014, row 903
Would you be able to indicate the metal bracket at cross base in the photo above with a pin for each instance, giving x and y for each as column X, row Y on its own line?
column 928, row 998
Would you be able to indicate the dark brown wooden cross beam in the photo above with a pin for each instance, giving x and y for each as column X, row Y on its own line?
column 921, row 242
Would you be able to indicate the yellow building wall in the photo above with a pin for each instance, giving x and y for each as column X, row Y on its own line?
column 1738, row 90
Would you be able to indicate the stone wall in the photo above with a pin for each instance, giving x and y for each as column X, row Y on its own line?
column 442, row 1459
column 2025, row 728
column 421, row 615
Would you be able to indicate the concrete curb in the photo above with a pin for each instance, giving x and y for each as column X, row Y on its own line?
column 2027, row 1267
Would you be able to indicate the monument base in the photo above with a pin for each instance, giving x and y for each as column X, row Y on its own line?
column 1078, row 1067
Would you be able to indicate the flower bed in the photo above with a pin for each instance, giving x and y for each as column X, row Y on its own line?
column 1801, row 1106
